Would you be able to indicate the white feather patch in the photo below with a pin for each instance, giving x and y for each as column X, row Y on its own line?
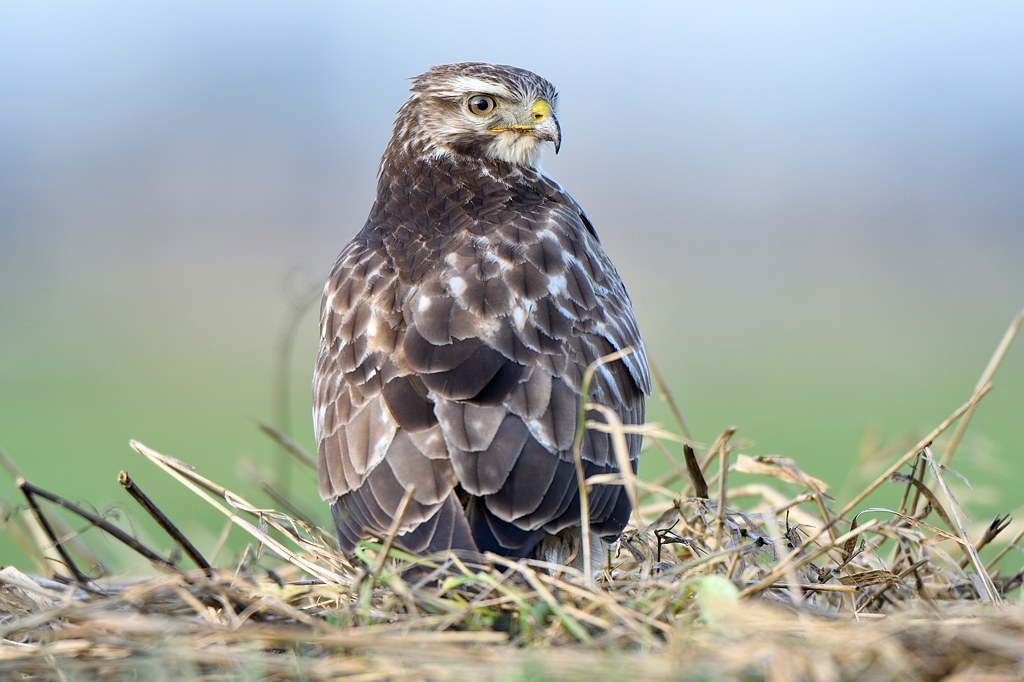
column 556, row 285
column 457, row 286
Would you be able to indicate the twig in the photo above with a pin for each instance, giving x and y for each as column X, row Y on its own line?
column 911, row 486
column 577, row 456
column 796, row 551
column 202, row 487
column 705, row 463
column 723, row 471
column 288, row 444
column 168, row 526
column 921, row 444
column 396, row 523
column 986, row 378
column 659, row 381
column 792, row 561
column 620, row 448
column 287, row 505
column 102, row 524
column 36, row 532
column 968, row 546
column 30, row 491
column 700, row 485
column 282, row 377
column 998, row 525
column 1011, row 545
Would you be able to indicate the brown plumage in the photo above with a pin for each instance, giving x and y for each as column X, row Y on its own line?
column 456, row 328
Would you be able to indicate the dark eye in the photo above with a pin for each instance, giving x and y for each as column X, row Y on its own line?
column 481, row 105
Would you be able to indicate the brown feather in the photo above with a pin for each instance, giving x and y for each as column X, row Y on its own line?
column 455, row 331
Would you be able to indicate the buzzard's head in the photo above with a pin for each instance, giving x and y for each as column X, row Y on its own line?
column 478, row 110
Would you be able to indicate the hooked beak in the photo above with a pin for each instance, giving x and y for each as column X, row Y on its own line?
column 550, row 130
column 544, row 125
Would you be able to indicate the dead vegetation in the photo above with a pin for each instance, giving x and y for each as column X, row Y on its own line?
column 770, row 579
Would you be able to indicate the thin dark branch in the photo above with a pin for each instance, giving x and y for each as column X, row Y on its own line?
column 288, row 444
column 139, row 496
column 107, row 527
column 700, row 485
column 284, row 503
column 670, row 400
column 30, row 491
column 282, row 376
column 998, row 525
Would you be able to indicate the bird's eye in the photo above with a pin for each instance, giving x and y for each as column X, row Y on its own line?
column 481, row 105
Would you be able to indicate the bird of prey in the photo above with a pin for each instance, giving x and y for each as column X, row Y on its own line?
column 455, row 331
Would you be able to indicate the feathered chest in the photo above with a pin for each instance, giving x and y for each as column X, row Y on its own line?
column 491, row 219
column 451, row 253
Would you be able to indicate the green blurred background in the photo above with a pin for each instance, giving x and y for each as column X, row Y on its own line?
column 818, row 210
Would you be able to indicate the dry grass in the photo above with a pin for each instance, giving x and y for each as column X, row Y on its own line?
column 787, row 585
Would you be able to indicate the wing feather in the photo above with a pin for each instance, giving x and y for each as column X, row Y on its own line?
column 451, row 366
column 486, row 470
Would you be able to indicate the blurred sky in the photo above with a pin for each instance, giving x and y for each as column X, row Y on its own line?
column 817, row 207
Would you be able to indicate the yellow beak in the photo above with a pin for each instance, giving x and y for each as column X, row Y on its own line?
column 544, row 125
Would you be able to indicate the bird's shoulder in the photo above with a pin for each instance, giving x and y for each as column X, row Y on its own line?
column 492, row 253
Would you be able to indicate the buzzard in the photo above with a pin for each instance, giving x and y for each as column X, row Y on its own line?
column 455, row 331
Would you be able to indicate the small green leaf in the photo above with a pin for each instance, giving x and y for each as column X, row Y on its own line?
column 716, row 597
